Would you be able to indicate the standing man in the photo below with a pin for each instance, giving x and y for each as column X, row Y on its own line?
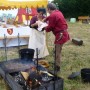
column 57, row 24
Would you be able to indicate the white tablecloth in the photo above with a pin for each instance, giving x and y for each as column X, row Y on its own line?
column 12, row 40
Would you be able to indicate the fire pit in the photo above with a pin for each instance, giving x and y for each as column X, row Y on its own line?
column 42, row 80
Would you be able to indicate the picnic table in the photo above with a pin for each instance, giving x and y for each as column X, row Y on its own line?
column 84, row 19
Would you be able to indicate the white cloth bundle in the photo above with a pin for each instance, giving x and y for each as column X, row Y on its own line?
column 41, row 25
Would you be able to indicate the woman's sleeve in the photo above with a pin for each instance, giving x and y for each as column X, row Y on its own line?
column 32, row 21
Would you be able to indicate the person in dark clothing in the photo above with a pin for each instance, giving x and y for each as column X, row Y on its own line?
column 40, row 16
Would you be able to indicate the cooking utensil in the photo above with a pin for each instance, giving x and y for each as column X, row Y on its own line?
column 85, row 74
column 26, row 54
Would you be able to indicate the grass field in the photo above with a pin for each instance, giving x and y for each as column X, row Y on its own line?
column 74, row 57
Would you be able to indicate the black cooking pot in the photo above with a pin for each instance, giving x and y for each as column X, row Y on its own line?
column 26, row 54
column 85, row 74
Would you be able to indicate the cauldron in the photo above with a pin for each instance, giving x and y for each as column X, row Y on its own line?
column 26, row 54
column 85, row 74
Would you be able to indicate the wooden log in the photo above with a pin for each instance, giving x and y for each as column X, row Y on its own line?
column 77, row 41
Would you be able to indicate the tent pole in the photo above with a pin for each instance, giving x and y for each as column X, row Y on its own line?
column 27, row 15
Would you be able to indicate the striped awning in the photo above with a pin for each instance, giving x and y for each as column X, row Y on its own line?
column 7, row 4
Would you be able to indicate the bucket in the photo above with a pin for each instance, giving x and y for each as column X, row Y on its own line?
column 72, row 20
column 85, row 74
column 26, row 54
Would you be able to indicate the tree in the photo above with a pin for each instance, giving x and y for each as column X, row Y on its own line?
column 74, row 8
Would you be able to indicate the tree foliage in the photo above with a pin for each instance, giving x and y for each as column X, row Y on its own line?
column 74, row 8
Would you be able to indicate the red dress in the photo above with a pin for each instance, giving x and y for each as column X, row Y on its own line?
column 57, row 24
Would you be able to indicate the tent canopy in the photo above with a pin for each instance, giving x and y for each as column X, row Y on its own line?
column 7, row 4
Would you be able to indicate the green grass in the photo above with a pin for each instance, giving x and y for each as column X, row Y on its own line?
column 74, row 57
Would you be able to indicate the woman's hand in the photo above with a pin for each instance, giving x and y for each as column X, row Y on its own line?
column 44, row 20
column 35, row 24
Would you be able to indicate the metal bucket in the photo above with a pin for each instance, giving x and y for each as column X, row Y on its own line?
column 26, row 54
column 85, row 74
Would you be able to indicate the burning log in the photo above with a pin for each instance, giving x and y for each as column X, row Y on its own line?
column 23, row 74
